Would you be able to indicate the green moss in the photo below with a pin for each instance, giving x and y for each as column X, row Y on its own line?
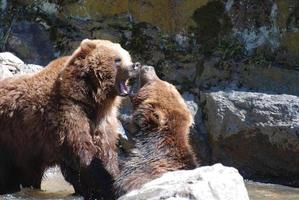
column 95, row 9
column 106, row 35
column 229, row 48
column 290, row 42
column 259, row 60
column 168, row 15
column 283, row 12
column 168, row 45
column 139, row 42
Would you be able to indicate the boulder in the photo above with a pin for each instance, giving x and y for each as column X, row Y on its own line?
column 11, row 65
column 5, row 72
column 215, row 182
column 8, row 58
column 257, row 133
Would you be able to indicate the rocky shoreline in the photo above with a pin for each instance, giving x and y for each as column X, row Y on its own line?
column 235, row 62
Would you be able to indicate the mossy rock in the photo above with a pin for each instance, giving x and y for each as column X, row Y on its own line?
column 212, row 23
column 95, row 9
column 290, row 42
column 167, row 15
column 283, row 13
column 107, row 35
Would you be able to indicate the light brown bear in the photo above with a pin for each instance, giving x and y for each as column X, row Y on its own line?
column 161, row 140
column 65, row 115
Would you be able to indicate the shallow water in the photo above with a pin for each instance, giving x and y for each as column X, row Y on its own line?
column 261, row 191
column 54, row 187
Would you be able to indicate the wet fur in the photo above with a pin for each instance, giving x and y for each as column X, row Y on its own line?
column 65, row 115
column 162, row 139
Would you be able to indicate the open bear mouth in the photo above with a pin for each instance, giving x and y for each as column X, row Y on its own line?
column 123, row 88
column 128, row 87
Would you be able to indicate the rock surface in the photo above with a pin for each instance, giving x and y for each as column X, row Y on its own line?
column 257, row 133
column 11, row 65
column 30, row 40
column 213, row 183
column 170, row 34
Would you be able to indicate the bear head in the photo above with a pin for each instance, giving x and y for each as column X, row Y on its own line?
column 107, row 65
column 158, row 106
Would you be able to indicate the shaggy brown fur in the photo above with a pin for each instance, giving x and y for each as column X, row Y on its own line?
column 162, row 139
column 65, row 115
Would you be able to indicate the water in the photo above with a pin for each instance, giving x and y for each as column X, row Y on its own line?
column 261, row 191
column 54, row 187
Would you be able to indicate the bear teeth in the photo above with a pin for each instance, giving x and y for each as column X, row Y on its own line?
column 123, row 88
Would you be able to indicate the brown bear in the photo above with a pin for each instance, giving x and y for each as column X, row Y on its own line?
column 162, row 122
column 65, row 115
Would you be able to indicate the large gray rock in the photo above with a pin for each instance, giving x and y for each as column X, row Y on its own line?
column 257, row 133
column 11, row 65
column 266, row 79
column 5, row 72
column 205, row 183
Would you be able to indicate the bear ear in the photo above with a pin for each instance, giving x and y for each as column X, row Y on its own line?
column 87, row 45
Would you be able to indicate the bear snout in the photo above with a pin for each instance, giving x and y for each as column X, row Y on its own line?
column 136, row 66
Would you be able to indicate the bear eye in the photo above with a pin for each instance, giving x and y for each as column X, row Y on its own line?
column 117, row 61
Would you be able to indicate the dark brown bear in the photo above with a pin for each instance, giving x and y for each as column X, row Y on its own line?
column 162, row 144
column 65, row 115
